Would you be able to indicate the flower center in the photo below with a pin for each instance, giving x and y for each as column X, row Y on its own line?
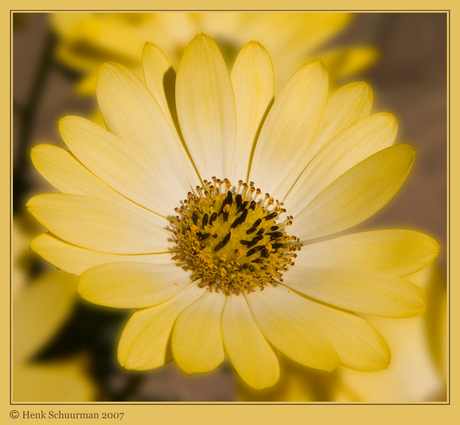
column 229, row 238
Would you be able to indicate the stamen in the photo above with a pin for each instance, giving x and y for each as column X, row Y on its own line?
column 242, row 206
column 213, row 217
column 239, row 200
column 219, row 256
column 205, row 220
column 270, row 216
column 254, row 241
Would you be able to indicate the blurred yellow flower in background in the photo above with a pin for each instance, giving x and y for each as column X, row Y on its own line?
column 231, row 286
column 40, row 309
column 88, row 39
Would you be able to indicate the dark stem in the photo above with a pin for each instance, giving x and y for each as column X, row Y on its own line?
column 28, row 116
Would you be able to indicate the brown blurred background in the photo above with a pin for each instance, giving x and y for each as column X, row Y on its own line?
column 409, row 80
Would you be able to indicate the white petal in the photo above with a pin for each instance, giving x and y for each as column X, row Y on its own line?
column 206, row 108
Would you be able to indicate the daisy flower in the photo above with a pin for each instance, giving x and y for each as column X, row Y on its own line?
column 162, row 212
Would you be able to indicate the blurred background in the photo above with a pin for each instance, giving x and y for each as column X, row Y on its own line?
column 64, row 349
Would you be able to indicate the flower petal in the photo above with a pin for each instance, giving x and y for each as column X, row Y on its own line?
column 39, row 310
column 196, row 341
column 280, row 318
column 206, row 107
column 345, row 106
column 160, row 79
column 351, row 146
column 254, row 85
column 252, row 356
column 68, row 175
column 393, row 252
column 357, row 343
column 289, row 129
column 358, row 290
column 75, row 260
column 144, row 343
column 132, row 285
column 53, row 382
column 346, row 61
column 99, row 225
column 131, row 113
column 355, row 195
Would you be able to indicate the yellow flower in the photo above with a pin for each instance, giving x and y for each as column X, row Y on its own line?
column 159, row 213
column 39, row 311
column 88, row 39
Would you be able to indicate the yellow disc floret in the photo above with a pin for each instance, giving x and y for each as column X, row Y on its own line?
column 229, row 238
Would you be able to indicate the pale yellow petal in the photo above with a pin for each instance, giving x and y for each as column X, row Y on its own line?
column 290, row 37
column 160, row 79
column 289, row 129
column 302, row 32
column 355, row 195
column 253, row 84
column 145, row 341
column 40, row 310
column 280, row 319
column 251, row 355
column 75, row 260
column 433, row 280
column 98, row 225
column 196, row 341
column 63, row 23
column 131, row 113
column 52, row 382
column 206, row 107
column 351, row 146
column 125, row 168
column 132, row 285
column 348, row 60
column 412, row 375
column 358, row 290
column 343, row 108
column 393, row 252
column 358, row 344
column 68, row 175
